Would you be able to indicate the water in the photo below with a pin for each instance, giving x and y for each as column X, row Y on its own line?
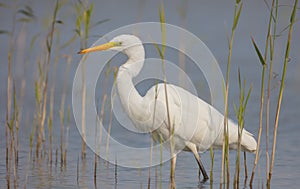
column 207, row 20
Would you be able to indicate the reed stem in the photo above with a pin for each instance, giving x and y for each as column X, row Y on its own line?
column 84, row 17
column 9, row 136
column 240, row 113
column 272, row 43
column 286, row 60
column 170, row 125
column 262, row 96
column 115, row 71
column 49, row 42
column 225, row 146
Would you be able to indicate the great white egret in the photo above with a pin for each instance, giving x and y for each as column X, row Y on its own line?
column 193, row 130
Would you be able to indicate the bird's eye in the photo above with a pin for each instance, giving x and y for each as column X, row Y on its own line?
column 119, row 43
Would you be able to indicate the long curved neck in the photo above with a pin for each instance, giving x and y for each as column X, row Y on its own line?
column 131, row 100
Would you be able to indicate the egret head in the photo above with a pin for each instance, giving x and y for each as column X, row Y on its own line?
column 122, row 43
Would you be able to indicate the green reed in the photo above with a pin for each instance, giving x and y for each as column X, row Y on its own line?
column 52, row 92
column 285, row 62
column 263, row 60
column 64, row 140
column 272, row 42
column 44, row 86
column 240, row 114
column 269, row 47
column 225, row 147
column 171, row 127
column 161, row 52
column 83, row 20
column 44, row 79
column 20, row 18
column 8, row 129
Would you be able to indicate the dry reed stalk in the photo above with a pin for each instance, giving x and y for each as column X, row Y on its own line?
column 262, row 96
column 151, row 136
column 170, row 125
column 83, row 147
column 42, row 84
column 286, row 60
column 115, row 71
column 63, row 148
column 212, row 158
column 9, row 124
column 51, row 102
column 272, row 43
column 67, row 136
column 84, row 17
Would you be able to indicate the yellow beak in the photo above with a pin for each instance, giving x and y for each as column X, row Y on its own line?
column 99, row 48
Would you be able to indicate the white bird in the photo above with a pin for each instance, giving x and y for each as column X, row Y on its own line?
column 197, row 125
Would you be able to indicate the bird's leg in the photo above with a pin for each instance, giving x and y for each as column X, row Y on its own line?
column 201, row 167
column 193, row 148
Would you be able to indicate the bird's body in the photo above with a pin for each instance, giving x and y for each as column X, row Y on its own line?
column 201, row 124
column 196, row 125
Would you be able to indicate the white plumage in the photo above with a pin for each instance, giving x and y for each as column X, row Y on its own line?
column 197, row 124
